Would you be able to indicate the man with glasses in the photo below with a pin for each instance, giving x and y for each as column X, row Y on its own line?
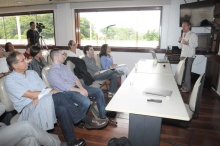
column 73, row 50
column 40, row 105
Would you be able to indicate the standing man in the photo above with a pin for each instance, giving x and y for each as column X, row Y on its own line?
column 188, row 43
column 32, row 35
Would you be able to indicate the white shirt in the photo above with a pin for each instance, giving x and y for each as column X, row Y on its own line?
column 189, row 50
column 79, row 53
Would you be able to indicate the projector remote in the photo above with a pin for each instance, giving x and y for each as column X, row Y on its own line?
column 154, row 100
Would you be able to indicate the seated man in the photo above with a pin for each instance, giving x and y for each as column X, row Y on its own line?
column 94, row 70
column 24, row 88
column 73, row 51
column 26, row 134
column 63, row 79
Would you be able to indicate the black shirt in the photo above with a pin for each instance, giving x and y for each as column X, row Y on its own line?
column 33, row 35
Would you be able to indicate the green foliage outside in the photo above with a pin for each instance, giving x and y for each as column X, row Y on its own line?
column 11, row 26
column 115, row 33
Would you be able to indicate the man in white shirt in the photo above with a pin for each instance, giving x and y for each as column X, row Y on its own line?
column 188, row 42
column 73, row 51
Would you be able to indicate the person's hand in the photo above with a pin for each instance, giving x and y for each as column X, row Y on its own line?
column 83, row 92
column 96, row 73
column 180, row 39
column 185, row 42
column 114, row 65
column 35, row 101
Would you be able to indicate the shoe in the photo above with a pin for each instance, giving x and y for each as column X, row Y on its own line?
column 111, row 122
column 110, row 94
column 79, row 142
column 96, row 124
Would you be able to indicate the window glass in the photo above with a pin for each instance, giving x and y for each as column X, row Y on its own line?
column 135, row 28
column 14, row 28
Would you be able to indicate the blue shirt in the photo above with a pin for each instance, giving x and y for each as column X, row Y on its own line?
column 17, row 84
column 106, row 61
column 61, row 77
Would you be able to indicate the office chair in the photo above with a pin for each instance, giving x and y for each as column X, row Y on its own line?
column 192, row 109
column 180, row 72
column 6, row 101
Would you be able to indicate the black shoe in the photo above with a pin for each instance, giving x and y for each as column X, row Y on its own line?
column 79, row 142
column 96, row 124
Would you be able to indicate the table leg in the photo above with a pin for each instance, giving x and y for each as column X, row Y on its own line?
column 144, row 130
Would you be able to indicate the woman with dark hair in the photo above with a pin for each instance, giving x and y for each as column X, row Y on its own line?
column 9, row 48
column 38, row 61
column 107, row 62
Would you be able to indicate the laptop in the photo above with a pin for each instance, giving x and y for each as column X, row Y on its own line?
column 159, row 92
column 158, row 60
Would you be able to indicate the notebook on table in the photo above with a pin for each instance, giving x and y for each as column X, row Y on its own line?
column 158, row 60
column 159, row 92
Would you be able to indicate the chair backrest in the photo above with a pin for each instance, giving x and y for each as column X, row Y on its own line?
column 196, row 94
column 6, row 101
column 180, row 72
column 44, row 75
column 49, row 60
column 70, row 65
column 97, row 60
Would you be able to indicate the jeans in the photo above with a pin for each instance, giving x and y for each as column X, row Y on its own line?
column 69, row 109
column 187, row 77
column 112, row 75
column 99, row 97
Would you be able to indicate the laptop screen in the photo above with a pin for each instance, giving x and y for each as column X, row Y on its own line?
column 154, row 55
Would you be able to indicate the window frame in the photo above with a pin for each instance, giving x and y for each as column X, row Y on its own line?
column 29, row 13
column 118, row 49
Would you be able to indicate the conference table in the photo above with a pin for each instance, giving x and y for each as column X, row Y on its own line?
column 145, row 117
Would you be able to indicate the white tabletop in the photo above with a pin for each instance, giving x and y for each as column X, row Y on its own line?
column 151, row 66
column 130, row 98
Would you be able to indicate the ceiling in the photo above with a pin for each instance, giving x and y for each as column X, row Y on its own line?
column 14, row 3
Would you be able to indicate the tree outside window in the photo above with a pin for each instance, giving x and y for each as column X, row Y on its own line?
column 13, row 28
column 134, row 28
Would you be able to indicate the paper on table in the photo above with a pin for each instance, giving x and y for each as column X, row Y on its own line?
column 3, row 65
column 44, row 92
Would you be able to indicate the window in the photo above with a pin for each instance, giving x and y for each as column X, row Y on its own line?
column 125, row 27
column 13, row 27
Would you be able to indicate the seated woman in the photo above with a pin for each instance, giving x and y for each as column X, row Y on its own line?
column 9, row 48
column 38, row 62
column 108, row 63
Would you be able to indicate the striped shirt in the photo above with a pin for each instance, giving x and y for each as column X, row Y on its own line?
column 189, row 50
column 61, row 77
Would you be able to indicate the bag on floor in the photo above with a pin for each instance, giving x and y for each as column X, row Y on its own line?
column 122, row 141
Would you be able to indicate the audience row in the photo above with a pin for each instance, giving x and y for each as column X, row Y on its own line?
column 68, row 100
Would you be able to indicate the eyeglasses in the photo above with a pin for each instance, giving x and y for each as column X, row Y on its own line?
column 22, row 61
